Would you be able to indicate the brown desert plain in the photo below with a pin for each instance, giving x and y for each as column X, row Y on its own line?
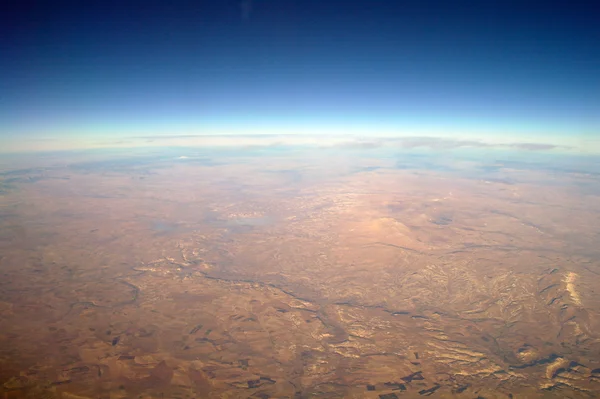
column 299, row 274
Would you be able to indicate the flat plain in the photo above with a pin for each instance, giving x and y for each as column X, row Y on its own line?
column 296, row 274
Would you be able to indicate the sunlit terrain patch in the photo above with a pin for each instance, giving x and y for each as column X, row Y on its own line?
column 570, row 280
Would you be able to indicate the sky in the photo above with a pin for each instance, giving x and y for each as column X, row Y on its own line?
column 102, row 73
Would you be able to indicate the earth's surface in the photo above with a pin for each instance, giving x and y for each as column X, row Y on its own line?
column 294, row 272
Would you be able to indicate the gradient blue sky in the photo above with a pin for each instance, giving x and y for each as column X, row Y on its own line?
column 92, row 72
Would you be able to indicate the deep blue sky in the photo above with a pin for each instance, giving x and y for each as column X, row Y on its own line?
column 118, row 68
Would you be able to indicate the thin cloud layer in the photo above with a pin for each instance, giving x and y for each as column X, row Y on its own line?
column 336, row 141
column 438, row 143
column 270, row 140
column 535, row 146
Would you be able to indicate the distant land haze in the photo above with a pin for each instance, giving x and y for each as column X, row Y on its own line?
column 561, row 144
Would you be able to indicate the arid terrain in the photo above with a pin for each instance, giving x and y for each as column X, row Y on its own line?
column 293, row 273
